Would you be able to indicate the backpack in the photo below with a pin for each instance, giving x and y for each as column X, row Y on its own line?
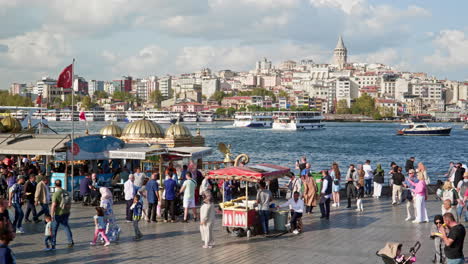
column 65, row 201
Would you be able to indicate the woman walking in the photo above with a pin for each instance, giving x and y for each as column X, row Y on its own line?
column 207, row 217
column 336, row 176
column 310, row 193
column 420, row 191
column 378, row 181
column 112, row 229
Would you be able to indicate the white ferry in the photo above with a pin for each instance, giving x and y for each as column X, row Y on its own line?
column 116, row 116
column 205, row 116
column 52, row 115
column 252, row 119
column 65, row 115
column 135, row 115
column 190, row 117
column 28, row 116
column 94, row 116
column 297, row 120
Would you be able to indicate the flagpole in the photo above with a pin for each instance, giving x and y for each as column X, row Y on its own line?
column 73, row 129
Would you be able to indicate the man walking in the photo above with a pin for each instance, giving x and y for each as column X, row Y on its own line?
column 169, row 199
column 453, row 240
column 397, row 188
column 42, row 196
column 152, row 196
column 188, row 188
column 368, row 177
column 129, row 190
column 325, row 195
column 30, row 191
column 264, row 198
column 16, row 200
column 60, row 212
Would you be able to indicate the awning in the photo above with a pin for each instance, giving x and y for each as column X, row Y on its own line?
column 32, row 144
column 252, row 173
column 191, row 152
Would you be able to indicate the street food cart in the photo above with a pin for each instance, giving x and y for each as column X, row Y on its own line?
column 240, row 212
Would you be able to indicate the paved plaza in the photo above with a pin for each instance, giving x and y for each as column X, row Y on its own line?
column 348, row 237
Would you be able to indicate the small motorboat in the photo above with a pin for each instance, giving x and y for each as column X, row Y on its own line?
column 422, row 129
column 465, row 126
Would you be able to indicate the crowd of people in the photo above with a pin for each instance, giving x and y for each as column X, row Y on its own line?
column 186, row 189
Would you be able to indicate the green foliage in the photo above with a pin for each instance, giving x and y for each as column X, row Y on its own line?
column 301, row 108
column 100, row 95
column 68, row 100
column 156, row 97
column 230, row 111
column 342, row 107
column 123, row 96
column 218, row 96
column 283, row 94
column 220, row 111
column 364, row 105
column 6, row 99
column 242, row 109
column 86, row 103
column 258, row 92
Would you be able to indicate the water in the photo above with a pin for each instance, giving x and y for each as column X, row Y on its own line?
column 344, row 143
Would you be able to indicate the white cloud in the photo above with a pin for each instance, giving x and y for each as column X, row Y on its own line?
column 451, row 50
column 347, row 6
column 146, row 62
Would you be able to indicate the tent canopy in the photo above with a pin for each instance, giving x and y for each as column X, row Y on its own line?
column 32, row 144
column 252, row 173
column 142, row 153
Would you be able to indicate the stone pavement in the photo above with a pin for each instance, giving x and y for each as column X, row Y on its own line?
column 348, row 237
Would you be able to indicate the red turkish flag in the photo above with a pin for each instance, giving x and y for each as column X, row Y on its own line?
column 65, row 78
column 39, row 100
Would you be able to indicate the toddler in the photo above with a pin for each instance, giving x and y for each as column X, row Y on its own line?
column 137, row 208
column 359, row 195
column 48, row 233
column 100, row 229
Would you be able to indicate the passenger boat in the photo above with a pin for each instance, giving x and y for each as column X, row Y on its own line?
column 116, row 116
column 93, row 116
column 297, row 120
column 205, row 116
column 465, row 126
column 165, row 117
column 134, row 115
column 28, row 116
column 65, row 115
column 422, row 129
column 190, row 117
column 252, row 119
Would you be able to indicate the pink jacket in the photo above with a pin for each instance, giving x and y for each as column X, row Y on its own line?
column 420, row 187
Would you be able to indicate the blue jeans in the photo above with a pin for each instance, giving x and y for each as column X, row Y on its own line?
column 455, row 261
column 264, row 219
column 44, row 210
column 61, row 220
column 19, row 214
column 368, row 186
column 460, row 211
column 47, row 240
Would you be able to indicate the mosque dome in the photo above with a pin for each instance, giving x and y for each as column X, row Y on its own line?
column 178, row 130
column 11, row 124
column 2, row 129
column 111, row 130
column 142, row 129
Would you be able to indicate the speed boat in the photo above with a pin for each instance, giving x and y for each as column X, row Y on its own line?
column 422, row 129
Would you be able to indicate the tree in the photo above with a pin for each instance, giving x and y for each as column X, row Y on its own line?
column 342, row 107
column 86, row 103
column 100, row 95
column 123, row 96
column 364, row 105
column 218, row 96
column 283, row 94
column 7, row 99
column 156, row 97
column 68, row 100
column 220, row 111
column 230, row 111
column 254, row 108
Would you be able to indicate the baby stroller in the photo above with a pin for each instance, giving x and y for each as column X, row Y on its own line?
column 391, row 253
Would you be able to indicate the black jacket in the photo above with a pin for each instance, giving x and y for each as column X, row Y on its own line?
column 398, row 178
column 30, row 187
column 409, row 165
column 458, row 176
column 379, row 177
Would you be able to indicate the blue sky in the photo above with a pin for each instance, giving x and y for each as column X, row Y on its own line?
column 111, row 38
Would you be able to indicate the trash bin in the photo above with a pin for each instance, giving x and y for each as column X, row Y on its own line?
column 281, row 219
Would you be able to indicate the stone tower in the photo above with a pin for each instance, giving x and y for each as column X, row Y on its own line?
column 340, row 54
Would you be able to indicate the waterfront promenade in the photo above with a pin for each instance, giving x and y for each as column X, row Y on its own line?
column 348, row 237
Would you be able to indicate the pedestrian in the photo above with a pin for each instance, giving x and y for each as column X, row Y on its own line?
column 85, row 189
column 294, row 185
column 137, row 211
column 310, row 193
column 169, row 198
column 453, row 236
column 152, row 195
column 107, row 203
column 48, row 233
column 368, row 177
column 4, row 215
column 100, row 227
column 60, row 212
column 29, row 191
column 144, row 195
column 296, row 206
column 325, row 195
column 361, row 174
column 16, row 200
column 352, row 179
column 139, row 177
column 130, row 191
column 459, row 172
column 439, row 256
column 409, row 197
column 397, row 187
column 461, row 188
column 451, row 172
column 264, row 198
column 409, row 164
column 228, row 190
column 207, row 218
column 447, row 207
column 420, row 197
column 360, row 196
column 42, row 197
column 301, row 165
column 378, row 180
column 450, row 194
column 188, row 189
column 335, row 174
column 6, row 236
column 422, row 170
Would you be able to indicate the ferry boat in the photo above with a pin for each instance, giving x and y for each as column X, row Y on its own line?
column 161, row 117
column 116, row 116
column 252, row 119
column 205, row 116
column 190, row 117
column 465, row 126
column 134, row 115
column 65, row 115
column 94, row 116
column 422, row 129
column 28, row 116
column 52, row 115
column 297, row 120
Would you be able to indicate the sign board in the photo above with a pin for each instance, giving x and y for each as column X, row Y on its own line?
column 127, row 155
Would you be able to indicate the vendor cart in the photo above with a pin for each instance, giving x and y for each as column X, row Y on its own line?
column 240, row 212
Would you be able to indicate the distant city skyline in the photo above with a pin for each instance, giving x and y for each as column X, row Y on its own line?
column 110, row 39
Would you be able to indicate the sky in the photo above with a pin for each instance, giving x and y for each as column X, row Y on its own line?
column 114, row 38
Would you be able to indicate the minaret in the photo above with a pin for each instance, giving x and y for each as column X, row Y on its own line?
column 340, row 54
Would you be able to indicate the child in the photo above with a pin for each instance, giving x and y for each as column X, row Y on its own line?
column 6, row 236
column 447, row 207
column 137, row 208
column 359, row 195
column 48, row 232
column 100, row 227
column 438, row 243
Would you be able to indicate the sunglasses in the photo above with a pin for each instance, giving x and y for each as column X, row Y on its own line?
column 438, row 223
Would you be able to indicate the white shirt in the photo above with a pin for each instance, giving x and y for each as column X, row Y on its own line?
column 139, row 178
column 298, row 206
column 324, row 188
column 129, row 190
column 368, row 171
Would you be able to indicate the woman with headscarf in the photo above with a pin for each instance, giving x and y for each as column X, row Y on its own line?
column 112, row 229
column 310, row 193
column 207, row 217
column 422, row 170
column 378, row 180
column 336, row 176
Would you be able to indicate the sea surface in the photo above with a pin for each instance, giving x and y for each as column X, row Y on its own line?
column 344, row 143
